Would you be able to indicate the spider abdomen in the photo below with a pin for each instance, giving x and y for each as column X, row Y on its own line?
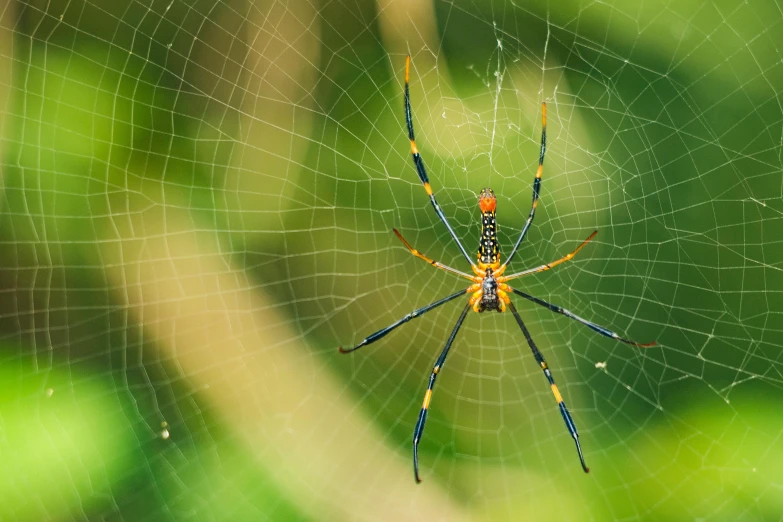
column 488, row 252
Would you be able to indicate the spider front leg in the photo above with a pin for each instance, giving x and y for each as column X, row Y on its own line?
column 536, row 189
column 419, row 430
column 419, row 163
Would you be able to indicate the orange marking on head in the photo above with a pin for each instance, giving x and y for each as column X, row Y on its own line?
column 487, row 204
column 407, row 68
column 543, row 114
column 487, row 201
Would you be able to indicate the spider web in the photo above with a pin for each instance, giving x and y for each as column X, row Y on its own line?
column 198, row 199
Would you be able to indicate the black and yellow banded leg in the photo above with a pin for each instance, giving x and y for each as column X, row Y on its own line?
column 547, row 266
column 597, row 328
column 536, row 188
column 422, row 172
column 417, row 433
column 416, row 313
column 569, row 422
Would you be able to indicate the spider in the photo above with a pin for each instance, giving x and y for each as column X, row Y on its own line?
column 489, row 290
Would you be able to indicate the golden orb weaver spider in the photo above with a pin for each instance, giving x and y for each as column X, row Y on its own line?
column 490, row 289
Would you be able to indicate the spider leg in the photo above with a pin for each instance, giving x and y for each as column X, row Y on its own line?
column 420, row 164
column 560, row 310
column 536, row 187
column 417, row 433
column 416, row 313
column 547, row 266
column 569, row 422
column 434, row 263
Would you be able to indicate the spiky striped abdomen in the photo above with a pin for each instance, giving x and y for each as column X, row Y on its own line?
column 488, row 252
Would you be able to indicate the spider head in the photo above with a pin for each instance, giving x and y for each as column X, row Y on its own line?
column 487, row 201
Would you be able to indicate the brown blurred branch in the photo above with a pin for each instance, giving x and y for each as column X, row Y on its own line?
column 259, row 374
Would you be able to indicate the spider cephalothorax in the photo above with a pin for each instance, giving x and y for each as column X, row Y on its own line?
column 489, row 294
column 489, row 289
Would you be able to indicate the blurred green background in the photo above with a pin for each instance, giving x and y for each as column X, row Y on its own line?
column 198, row 199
